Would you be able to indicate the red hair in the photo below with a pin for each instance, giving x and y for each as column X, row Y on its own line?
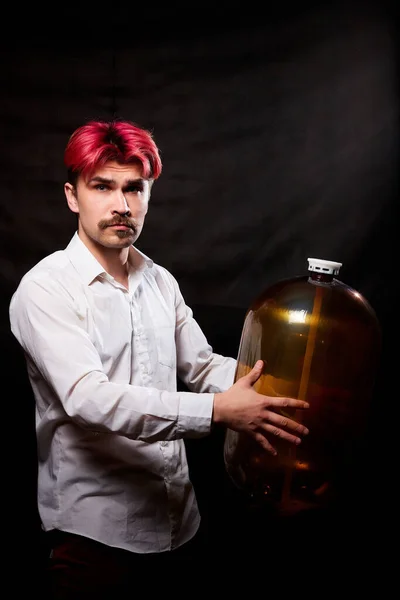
column 98, row 142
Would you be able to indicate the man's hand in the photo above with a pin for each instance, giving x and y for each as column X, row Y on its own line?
column 243, row 409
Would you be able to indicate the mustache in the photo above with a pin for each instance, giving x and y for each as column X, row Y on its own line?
column 118, row 220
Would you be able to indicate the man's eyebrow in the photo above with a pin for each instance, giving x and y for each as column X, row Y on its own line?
column 99, row 179
column 135, row 181
column 110, row 181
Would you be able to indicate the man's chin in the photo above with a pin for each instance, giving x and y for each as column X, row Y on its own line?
column 124, row 242
column 125, row 234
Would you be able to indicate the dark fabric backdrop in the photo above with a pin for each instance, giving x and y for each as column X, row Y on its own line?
column 279, row 137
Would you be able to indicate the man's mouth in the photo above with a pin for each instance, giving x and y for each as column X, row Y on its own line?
column 118, row 225
column 121, row 225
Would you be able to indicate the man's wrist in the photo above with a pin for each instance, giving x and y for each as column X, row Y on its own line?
column 216, row 414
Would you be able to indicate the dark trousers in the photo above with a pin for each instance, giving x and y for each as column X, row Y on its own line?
column 80, row 568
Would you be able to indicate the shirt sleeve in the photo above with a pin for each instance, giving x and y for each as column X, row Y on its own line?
column 201, row 369
column 45, row 321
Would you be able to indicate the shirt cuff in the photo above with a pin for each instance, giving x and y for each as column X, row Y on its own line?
column 195, row 414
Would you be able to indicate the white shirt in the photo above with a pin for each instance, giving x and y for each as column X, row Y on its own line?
column 103, row 365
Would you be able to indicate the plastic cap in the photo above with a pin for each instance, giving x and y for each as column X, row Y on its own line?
column 324, row 266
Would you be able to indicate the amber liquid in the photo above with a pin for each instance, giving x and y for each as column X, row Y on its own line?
column 320, row 341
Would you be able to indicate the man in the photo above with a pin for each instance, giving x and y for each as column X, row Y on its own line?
column 106, row 332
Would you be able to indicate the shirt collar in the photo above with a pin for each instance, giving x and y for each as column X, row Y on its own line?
column 89, row 267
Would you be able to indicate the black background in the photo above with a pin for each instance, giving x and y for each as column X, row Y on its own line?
column 279, row 136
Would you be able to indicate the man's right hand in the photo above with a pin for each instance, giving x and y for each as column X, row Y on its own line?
column 243, row 409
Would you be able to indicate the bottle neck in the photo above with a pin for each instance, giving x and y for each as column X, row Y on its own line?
column 320, row 277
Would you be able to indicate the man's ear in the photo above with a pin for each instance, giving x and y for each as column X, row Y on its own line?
column 70, row 195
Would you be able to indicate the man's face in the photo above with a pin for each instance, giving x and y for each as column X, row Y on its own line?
column 112, row 203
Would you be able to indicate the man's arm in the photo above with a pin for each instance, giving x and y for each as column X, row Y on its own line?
column 50, row 330
column 236, row 405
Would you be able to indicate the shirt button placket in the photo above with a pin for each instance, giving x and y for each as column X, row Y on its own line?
column 142, row 343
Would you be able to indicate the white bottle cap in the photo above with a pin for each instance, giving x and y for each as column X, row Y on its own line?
column 323, row 266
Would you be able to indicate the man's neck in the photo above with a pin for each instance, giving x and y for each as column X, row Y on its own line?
column 115, row 263
column 113, row 260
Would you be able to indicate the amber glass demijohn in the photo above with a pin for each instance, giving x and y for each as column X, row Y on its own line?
column 320, row 341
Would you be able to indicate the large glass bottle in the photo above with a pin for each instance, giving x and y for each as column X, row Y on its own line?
column 320, row 341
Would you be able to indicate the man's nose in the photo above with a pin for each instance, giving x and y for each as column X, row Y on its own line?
column 120, row 205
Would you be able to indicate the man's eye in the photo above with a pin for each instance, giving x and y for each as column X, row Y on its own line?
column 100, row 186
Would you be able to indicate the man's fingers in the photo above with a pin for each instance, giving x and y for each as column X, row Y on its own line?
column 277, row 432
column 262, row 440
column 255, row 372
column 278, row 402
column 283, row 435
column 282, row 423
